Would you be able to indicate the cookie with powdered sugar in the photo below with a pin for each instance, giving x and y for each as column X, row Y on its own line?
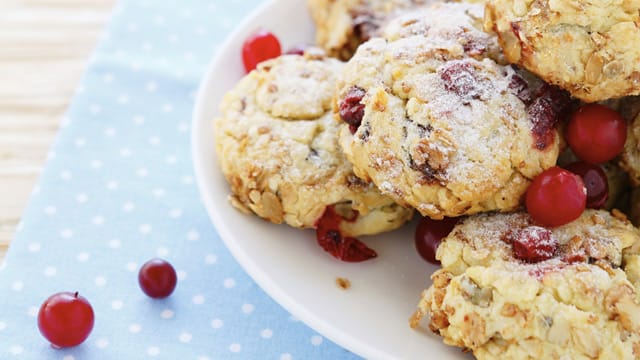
column 448, row 25
column 510, row 289
column 438, row 125
column 277, row 146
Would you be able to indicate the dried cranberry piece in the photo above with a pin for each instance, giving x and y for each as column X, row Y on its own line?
column 533, row 243
column 460, row 78
column 471, row 46
column 520, row 88
column 352, row 108
column 347, row 248
column 544, row 112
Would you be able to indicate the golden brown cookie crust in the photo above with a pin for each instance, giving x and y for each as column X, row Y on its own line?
column 588, row 48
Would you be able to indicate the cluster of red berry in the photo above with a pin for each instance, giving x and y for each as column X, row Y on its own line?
column 595, row 134
column 66, row 319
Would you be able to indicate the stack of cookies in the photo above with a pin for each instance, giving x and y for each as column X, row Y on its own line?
column 451, row 109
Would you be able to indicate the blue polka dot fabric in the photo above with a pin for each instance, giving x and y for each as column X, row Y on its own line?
column 119, row 189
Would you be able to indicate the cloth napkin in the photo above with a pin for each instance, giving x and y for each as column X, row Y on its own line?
column 119, row 189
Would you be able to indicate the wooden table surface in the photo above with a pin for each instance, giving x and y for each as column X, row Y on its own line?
column 44, row 47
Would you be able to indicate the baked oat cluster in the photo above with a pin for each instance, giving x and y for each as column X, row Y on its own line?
column 579, row 302
column 453, row 109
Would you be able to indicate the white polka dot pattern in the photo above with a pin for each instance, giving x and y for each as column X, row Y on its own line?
column 118, row 189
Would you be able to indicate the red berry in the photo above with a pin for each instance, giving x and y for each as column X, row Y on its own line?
column 260, row 46
column 461, row 78
column 344, row 248
column 595, row 180
column 556, row 197
column 596, row 133
column 533, row 243
column 352, row 108
column 429, row 234
column 65, row 319
column 157, row 278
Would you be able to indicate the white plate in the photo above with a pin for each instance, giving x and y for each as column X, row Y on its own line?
column 371, row 317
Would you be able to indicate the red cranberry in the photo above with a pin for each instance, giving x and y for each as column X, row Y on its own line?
column 556, row 197
column 352, row 108
column 595, row 180
column 533, row 243
column 260, row 46
column 65, row 319
column 596, row 133
column 157, row 278
column 429, row 233
column 471, row 46
column 332, row 241
column 460, row 78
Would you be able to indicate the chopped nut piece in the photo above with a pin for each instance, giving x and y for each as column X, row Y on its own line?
column 343, row 283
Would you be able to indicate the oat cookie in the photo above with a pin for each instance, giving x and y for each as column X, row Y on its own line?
column 439, row 127
column 276, row 141
column 342, row 25
column 589, row 48
column 579, row 302
column 456, row 27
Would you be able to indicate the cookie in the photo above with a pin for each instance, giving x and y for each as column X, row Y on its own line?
column 456, row 27
column 630, row 158
column 277, row 144
column 342, row 25
column 440, row 127
column 588, row 48
column 578, row 300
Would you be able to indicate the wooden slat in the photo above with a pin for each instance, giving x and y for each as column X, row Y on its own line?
column 45, row 45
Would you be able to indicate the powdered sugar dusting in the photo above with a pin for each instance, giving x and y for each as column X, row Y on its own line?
column 456, row 27
column 441, row 113
column 464, row 103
